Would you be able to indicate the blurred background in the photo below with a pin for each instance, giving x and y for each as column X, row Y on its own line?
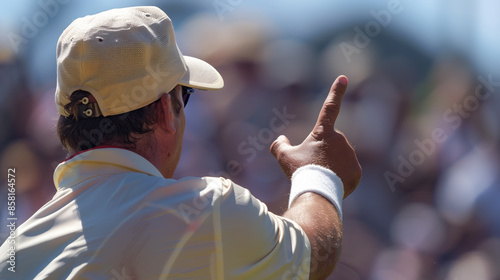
column 421, row 110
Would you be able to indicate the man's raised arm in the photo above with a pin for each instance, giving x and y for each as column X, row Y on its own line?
column 324, row 169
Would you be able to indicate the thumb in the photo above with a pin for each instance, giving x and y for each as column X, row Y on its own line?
column 279, row 145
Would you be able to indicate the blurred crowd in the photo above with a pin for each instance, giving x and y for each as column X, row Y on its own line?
column 426, row 130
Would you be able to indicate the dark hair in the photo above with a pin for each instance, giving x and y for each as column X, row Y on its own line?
column 78, row 133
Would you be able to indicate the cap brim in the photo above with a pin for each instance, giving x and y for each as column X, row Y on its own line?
column 201, row 75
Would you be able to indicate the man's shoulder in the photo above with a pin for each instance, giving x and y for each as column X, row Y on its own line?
column 188, row 184
column 196, row 191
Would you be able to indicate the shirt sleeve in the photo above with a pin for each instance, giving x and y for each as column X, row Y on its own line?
column 257, row 244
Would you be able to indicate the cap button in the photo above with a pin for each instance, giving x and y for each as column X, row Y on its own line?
column 88, row 112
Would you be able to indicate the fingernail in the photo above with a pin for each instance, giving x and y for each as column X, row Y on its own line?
column 343, row 80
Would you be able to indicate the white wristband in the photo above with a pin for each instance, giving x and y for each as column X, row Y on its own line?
column 320, row 180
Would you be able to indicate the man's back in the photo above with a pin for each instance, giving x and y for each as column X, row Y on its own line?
column 115, row 216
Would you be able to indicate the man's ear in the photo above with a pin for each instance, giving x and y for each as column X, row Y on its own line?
column 165, row 113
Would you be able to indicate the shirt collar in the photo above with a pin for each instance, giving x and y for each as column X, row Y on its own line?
column 101, row 161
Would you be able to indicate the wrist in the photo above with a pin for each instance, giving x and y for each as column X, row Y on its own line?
column 320, row 180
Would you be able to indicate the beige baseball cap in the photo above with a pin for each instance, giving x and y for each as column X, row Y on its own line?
column 126, row 58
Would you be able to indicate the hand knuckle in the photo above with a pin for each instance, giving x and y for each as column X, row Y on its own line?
column 331, row 107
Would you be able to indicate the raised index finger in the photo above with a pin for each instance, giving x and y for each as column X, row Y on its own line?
column 331, row 106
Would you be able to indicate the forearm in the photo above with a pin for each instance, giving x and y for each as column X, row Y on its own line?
column 316, row 205
column 321, row 222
